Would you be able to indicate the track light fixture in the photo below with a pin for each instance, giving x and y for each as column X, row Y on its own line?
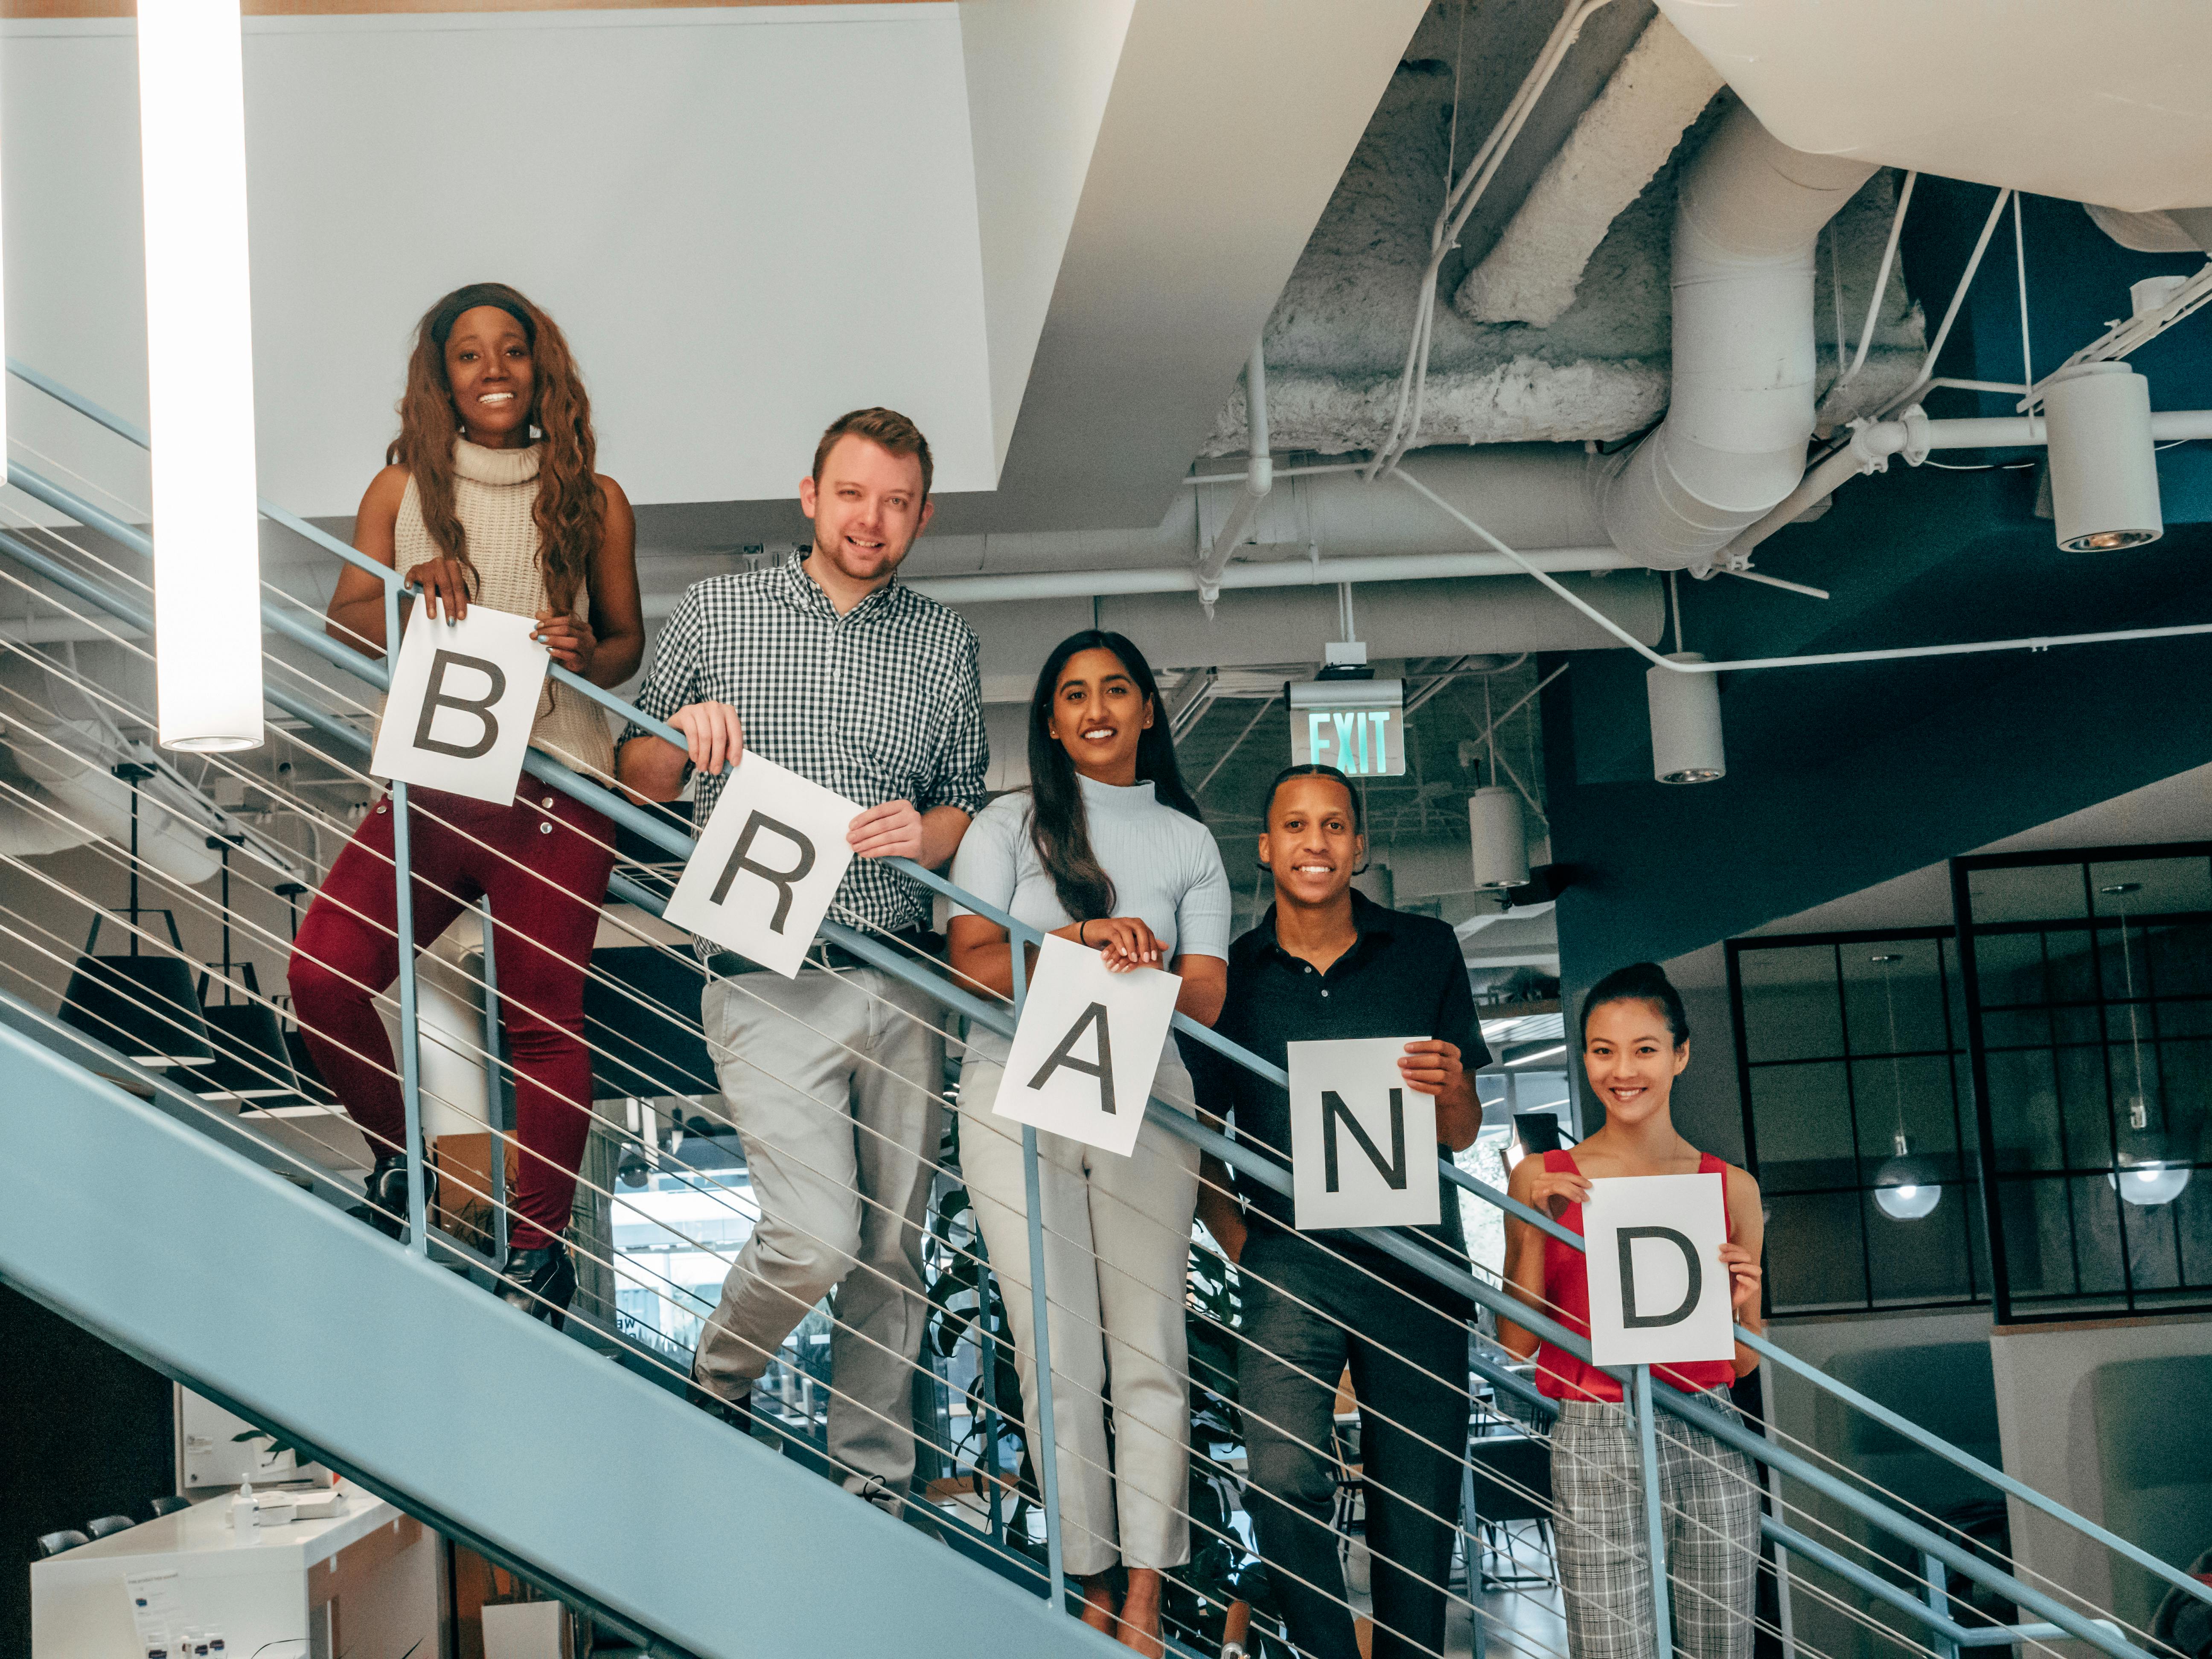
column 1686, row 723
column 2104, row 474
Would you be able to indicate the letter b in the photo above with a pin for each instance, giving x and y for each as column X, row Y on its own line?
column 435, row 696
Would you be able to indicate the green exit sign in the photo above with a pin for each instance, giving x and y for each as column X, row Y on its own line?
column 1358, row 726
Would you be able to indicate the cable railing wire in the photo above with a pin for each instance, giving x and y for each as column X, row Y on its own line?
column 608, row 699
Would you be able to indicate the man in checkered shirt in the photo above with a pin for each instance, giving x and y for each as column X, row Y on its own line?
column 825, row 666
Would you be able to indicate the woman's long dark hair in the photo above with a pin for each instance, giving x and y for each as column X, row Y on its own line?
column 569, row 511
column 1058, row 827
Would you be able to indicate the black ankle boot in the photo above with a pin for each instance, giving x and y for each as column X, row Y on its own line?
column 738, row 1414
column 386, row 1191
column 541, row 1282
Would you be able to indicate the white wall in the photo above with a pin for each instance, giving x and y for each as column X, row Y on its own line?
column 747, row 220
column 1038, row 80
column 2046, row 1408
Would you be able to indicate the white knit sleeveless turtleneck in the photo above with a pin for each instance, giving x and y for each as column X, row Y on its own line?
column 494, row 490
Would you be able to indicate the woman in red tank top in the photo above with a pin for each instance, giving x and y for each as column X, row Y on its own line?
column 1635, row 1041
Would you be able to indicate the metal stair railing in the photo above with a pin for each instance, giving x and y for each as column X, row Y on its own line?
column 1935, row 1551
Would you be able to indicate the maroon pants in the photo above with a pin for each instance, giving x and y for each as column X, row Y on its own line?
column 543, row 862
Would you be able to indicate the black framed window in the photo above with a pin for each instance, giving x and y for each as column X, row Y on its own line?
column 2088, row 991
column 1858, row 1118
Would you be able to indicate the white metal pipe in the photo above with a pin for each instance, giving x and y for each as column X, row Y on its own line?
column 1733, row 444
column 1288, row 573
column 1258, row 477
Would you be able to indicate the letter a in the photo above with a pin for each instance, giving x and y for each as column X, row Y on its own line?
column 1333, row 1108
column 435, row 697
column 1104, row 1071
column 1632, row 1320
column 783, row 880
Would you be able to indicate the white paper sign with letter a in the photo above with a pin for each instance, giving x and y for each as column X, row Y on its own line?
column 1658, row 1293
column 463, row 699
column 766, row 864
column 1363, row 1145
column 1083, row 1055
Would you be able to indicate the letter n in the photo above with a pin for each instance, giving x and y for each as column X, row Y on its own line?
column 1333, row 1110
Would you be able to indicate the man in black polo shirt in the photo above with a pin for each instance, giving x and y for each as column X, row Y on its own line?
column 1324, row 963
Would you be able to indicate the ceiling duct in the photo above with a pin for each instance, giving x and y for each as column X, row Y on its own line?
column 1732, row 443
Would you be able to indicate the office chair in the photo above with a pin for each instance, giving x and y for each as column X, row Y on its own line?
column 108, row 1525
column 53, row 1543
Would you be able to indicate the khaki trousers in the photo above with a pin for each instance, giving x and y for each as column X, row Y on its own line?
column 836, row 1082
column 1117, row 1258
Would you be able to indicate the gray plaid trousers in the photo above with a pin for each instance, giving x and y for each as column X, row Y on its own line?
column 1709, row 1496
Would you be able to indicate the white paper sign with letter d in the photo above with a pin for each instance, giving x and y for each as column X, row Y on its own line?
column 1363, row 1145
column 462, row 702
column 1083, row 1055
column 1658, row 1293
column 766, row 864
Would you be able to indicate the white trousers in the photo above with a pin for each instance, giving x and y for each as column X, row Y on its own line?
column 1117, row 1259
column 834, row 1084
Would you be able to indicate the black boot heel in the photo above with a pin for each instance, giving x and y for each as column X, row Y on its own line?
column 541, row 1282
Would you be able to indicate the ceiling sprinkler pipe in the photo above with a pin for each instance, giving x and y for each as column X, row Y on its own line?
column 1286, row 573
column 1259, row 479
column 1732, row 443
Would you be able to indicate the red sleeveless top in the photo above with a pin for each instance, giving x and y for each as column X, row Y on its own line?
column 1566, row 1287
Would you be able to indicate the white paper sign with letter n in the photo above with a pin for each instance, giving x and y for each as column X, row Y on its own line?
column 1088, row 1042
column 1363, row 1145
column 463, row 699
column 1658, row 1292
column 766, row 864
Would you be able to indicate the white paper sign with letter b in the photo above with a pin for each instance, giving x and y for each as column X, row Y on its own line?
column 1658, row 1293
column 1363, row 1145
column 766, row 864
column 463, row 699
column 1089, row 1042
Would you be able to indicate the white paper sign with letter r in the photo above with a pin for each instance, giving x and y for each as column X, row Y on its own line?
column 1087, row 1044
column 463, row 699
column 1658, row 1293
column 766, row 864
column 1363, row 1145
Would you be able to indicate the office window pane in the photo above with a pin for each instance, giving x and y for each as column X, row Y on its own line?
column 2148, row 887
column 1815, row 1257
column 1919, row 1261
column 1893, row 998
column 1790, row 1010
column 2040, row 892
column 2009, row 969
column 2024, row 1108
column 1908, row 1097
column 1800, row 1115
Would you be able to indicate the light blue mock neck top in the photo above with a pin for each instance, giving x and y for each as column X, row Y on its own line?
column 1165, row 865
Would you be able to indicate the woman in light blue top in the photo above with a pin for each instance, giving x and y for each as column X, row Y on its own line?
column 1105, row 847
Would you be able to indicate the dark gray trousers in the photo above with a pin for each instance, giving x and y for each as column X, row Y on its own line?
column 1409, row 1370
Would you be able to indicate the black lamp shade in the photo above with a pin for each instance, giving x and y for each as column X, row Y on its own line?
column 313, row 1088
column 638, row 1052
column 146, row 1007
column 251, row 1060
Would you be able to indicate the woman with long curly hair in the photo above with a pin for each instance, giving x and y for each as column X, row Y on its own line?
column 487, row 496
column 1105, row 847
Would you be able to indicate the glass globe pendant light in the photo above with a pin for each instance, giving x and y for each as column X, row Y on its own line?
column 1905, row 1186
column 2153, row 1181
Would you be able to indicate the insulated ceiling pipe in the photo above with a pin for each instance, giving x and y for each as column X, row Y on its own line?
column 1733, row 444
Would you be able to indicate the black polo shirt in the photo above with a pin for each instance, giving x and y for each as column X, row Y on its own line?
column 1404, row 976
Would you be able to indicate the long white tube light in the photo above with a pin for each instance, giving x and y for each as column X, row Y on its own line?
column 199, row 374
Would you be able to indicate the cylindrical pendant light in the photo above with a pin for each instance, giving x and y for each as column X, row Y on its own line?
column 2104, row 474
column 199, row 374
column 1500, row 836
column 1686, row 723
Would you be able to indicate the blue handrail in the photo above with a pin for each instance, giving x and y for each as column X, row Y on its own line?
column 662, row 832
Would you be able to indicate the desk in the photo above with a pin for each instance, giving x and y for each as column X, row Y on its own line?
column 363, row 1583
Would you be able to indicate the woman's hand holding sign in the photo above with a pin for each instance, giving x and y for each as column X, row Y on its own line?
column 1548, row 1190
column 1123, row 942
column 570, row 640
column 445, row 585
column 1744, row 1278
